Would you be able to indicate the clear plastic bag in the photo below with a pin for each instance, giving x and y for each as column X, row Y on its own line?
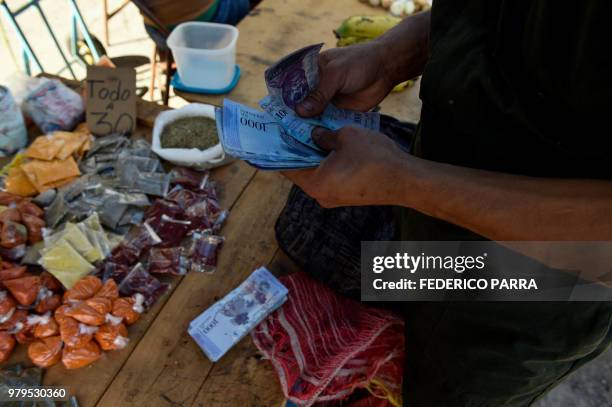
column 54, row 106
column 34, row 226
column 24, row 289
column 129, row 308
column 168, row 261
column 109, row 290
column 85, row 314
column 75, row 334
column 85, row 288
column 190, row 179
column 13, row 133
column 150, row 183
column 7, row 306
column 204, row 252
column 140, row 281
column 76, row 358
column 12, row 272
column 46, row 352
column 13, row 234
column 172, row 231
column 7, row 344
column 112, row 337
column 142, row 238
column 16, row 322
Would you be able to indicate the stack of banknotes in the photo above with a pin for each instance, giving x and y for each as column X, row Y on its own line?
column 279, row 139
column 229, row 320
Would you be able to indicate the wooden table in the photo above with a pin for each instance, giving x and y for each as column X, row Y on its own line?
column 162, row 366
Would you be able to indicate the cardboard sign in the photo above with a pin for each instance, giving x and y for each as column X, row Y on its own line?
column 111, row 100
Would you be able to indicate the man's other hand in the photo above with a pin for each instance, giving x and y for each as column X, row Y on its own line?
column 362, row 168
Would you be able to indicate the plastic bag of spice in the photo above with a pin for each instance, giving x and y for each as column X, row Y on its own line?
column 129, row 308
column 171, row 231
column 109, row 290
column 46, row 352
column 13, row 254
column 102, row 305
column 43, row 325
column 84, row 313
column 109, row 270
column 168, row 261
column 75, row 334
column 140, row 281
column 24, row 289
column 25, row 207
column 50, row 303
column 13, row 234
column 75, row 358
column 10, row 214
column 142, row 238
column 112, row 337
column 7, row 306
column 12, row 272
column 85, row 288
column 25, row 333
column 34, row 226
column 203, row 251
column 16, row 322
column 7, row 344
column 190, row 179
column 52, row 283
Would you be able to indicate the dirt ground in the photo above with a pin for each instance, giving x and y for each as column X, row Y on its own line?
column 590, row 386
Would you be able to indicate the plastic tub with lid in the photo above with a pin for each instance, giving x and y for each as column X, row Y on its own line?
column 205, row 54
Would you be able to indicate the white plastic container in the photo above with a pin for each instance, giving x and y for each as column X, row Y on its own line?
column 205, row 54
column 188, row 157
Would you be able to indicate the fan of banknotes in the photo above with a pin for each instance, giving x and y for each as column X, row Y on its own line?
column 277, row 138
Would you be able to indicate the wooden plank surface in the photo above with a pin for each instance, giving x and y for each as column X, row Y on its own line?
column 242, row 378
column 162, row 365
column 90, row 383
column 167, row 367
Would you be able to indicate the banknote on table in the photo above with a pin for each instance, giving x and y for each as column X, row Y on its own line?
column 254, row 136
column 289, row 81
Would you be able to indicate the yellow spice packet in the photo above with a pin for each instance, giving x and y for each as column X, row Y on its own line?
column 65, row 263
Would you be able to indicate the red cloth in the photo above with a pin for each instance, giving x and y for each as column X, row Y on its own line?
column 324, row 346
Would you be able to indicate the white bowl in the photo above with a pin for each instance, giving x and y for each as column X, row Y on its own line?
column 188, row 157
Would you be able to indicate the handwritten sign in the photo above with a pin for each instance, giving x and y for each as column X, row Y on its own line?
column 111, row 100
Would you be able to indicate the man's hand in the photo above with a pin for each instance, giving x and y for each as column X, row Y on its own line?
column 353, row 78
column 361, row 169
column 360, row 76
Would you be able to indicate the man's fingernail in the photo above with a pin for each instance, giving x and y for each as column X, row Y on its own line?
column 307, row 105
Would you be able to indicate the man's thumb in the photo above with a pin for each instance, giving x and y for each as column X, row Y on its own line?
column 319, row 97
column 326, row 139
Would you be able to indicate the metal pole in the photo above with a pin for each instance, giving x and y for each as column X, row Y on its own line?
column 24, row 42
column 57, row 45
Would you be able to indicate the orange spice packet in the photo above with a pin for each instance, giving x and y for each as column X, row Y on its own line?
column 42, row 173
column 18, row 183
column 72, row 143
column 45, row 148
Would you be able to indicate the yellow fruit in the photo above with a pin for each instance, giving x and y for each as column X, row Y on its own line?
column 346, row 41
column 403, row 86
column 366, row 26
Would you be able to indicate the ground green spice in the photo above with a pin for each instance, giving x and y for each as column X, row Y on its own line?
column 190, row 132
